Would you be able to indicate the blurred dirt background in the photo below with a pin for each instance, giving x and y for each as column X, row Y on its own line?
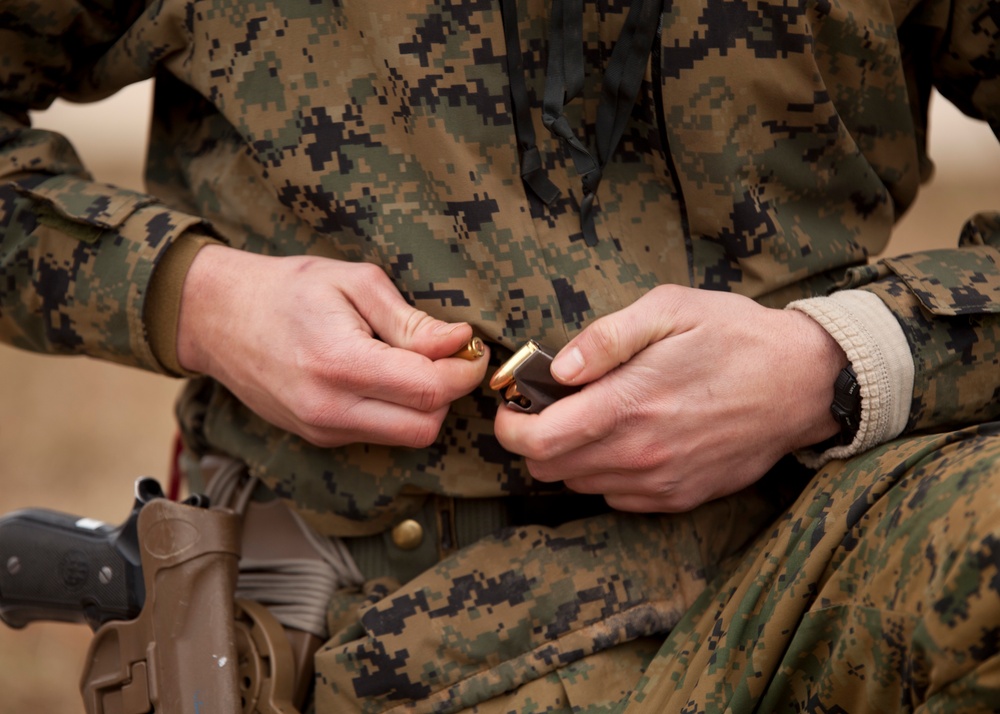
column 75, row 433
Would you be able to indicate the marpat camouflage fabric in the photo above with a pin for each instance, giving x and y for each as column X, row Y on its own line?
column 770, row 150
column 877, row 590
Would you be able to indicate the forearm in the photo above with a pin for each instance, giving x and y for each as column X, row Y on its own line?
column 76, row 264
column 877, row 350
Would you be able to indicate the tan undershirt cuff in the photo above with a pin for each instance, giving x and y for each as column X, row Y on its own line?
column 878, row 351
column 162, row 310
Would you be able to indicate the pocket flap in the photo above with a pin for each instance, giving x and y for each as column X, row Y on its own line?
column 952, row 282
column 65, row 200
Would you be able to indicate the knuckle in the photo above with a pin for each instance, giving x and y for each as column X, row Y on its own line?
column 591, row 485
column 431, row 397
column 606, row 337
column 664, row 294
column 632, row 411
column 668, row 299
column 368, row 273
column 682, row 502
column 414, row 320
column 313, row 413
column 425, row 392
column 322, row 438
column 325, row 364
column 647, row 458
column 676, row 497
column 422, row 433
column 317, row 424
column 316, row 367
column 540, row 471
column 628, row 504
column 594, row 425
column 540, row 446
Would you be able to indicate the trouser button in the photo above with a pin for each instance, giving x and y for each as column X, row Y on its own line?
column 408, row 534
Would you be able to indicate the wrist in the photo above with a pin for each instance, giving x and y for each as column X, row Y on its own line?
column 823, row 359
column 201, row 298
column 880, row 355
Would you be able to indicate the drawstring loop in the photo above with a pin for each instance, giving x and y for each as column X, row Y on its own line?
column 564, row 82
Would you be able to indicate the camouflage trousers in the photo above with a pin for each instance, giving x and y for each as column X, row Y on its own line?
column 876, row 590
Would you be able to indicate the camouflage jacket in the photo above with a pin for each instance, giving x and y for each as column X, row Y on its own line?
column 769, row 151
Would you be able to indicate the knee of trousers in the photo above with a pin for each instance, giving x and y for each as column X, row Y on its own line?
column 522, row 606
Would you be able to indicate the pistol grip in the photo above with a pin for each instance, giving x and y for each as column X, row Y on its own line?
column 54, row 566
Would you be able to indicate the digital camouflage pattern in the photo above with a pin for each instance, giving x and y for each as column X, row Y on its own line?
column 876, row 590
column 530, row 602
column 386, row 136
column 74, row 290
column 769, row 152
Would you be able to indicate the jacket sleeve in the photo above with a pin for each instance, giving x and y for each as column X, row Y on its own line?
column 948, row 305
column 928, row 347
column 76, row 256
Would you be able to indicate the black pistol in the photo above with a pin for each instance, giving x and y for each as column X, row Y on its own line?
column 55, row 566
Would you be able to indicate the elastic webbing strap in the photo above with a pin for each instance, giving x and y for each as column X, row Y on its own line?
column 295, row 590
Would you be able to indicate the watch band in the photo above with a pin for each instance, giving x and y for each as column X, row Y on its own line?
column 846, row 405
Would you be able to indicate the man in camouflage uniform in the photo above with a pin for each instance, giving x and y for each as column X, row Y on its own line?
column 340, row 193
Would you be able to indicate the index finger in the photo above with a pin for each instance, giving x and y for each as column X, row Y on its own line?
column 564, row 426
column 400, row 376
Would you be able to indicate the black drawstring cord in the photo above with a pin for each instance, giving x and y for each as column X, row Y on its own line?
column 564, row 82
column 531, row 160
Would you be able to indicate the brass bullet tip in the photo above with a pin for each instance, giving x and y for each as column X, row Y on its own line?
column 505, row 375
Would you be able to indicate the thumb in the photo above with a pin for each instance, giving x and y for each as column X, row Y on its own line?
column 399, row 324
column 609, row 342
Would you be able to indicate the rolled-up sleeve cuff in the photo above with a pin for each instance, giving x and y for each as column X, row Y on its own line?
column 877, row 349
column 161, row 312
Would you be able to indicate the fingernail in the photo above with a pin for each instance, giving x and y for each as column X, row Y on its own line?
column 568, row 364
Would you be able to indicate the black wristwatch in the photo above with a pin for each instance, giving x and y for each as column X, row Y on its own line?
column 846, row 405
